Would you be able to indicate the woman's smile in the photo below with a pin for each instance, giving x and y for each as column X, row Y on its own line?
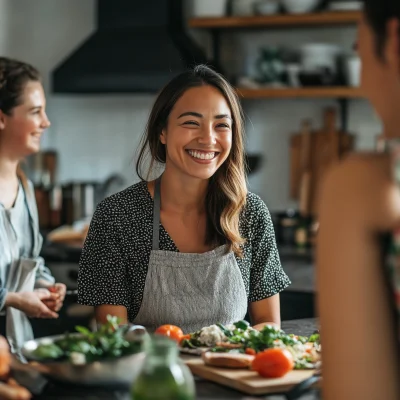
column 202, row 156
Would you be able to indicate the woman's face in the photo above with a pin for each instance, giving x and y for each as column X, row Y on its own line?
column 380, row 78
column 198, row 136
column 21, row 131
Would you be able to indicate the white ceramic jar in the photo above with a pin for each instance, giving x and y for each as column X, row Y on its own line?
column 300, row 6
column 353, row 71
column 209, row 8
column 243, row 8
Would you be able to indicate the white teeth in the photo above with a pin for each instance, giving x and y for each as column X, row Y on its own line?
column 201, row 155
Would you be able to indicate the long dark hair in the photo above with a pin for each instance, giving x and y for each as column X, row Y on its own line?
column 378, row 13
column 227, row 189
column 14, row 75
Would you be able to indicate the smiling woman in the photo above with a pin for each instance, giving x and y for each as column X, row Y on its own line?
column 24, row 279
column 193, row 247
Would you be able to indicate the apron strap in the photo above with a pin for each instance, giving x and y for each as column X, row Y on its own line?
column 156, row 214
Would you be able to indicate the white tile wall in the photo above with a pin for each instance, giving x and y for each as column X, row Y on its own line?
column 98, row 135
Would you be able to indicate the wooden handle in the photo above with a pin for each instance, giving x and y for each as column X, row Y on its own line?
column 305, row 144
column 330, row 119
column 305, row 183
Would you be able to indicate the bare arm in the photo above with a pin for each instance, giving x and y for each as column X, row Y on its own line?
column 102, row 311
column 359, row 361
column 265, row 312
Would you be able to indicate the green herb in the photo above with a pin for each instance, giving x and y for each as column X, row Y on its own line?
column 314, row 338
column 242, row 325
column 107, row 343
column 225, row 330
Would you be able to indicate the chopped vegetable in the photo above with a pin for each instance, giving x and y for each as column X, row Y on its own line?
column 240, row 337
column 242, row 325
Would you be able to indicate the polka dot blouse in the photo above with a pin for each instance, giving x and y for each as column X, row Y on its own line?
column 116, row 253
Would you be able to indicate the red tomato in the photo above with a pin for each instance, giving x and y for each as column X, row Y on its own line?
column 172, row 331
column 250, row 351
column 273, row 363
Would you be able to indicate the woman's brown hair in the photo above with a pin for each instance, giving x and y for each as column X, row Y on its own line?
column 14, row 75
column 378, row 13
column 227, row 189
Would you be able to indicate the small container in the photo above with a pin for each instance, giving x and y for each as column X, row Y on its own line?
column 163, row 375
column 209, row 8
column 266, row 7
column 243, row 8
column 300, row 6
column 353, row 71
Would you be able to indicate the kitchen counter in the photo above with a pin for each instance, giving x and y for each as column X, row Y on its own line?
column 205, row 390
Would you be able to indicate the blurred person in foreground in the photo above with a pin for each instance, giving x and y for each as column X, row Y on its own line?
column 9, row 388
column 358, row 245
column 27, row 288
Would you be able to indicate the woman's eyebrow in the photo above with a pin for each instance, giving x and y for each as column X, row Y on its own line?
column 198, row 115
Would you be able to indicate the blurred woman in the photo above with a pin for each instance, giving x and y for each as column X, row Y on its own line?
column 191, row 248
column 24, row 280
column 358, row 245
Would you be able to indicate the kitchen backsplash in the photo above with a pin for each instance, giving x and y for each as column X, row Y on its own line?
column 98, row 135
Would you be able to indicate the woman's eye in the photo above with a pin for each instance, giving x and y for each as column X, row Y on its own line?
column 223, row 126
column 190, row 123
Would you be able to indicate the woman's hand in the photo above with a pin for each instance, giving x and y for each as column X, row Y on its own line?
column 32, row 303
column 61, row 290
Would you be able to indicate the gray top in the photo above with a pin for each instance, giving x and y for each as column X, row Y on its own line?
column 15, row 225
column 20, row 237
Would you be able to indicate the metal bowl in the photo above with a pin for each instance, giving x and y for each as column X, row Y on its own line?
column 119, row 372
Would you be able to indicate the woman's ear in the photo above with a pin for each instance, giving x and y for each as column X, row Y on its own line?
column 163, row 137
column 392, row 45
column 2, row 120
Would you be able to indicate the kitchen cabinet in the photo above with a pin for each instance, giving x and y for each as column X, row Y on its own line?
column 218, row 25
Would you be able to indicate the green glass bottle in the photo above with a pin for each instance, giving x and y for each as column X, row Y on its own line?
column 163, row 375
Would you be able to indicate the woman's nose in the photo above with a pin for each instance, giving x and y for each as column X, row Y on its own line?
column 46, row 122
column 207, row 135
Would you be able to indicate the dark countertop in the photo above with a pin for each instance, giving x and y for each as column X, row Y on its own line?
column 205, row 390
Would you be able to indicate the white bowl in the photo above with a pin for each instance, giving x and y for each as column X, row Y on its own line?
column 267, row 7
column 300, row 6
column 317, row 55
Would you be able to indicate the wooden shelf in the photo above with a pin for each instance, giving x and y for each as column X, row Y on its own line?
column 280, row 20
column 304, row 92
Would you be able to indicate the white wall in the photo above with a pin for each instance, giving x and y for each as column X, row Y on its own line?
column 98, row 135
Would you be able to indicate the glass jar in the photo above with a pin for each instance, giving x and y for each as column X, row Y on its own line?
column 163, row 375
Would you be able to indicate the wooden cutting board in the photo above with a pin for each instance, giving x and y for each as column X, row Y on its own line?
column 245, row 380
column 328, row 145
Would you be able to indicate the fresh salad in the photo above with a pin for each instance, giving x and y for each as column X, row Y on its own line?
column 109, row 342
column 241, row 338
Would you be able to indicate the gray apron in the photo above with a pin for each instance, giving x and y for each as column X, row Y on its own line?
column 21, row 278
column 190, row 290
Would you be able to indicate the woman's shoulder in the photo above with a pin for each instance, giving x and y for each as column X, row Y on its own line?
column 134, row 199
column 363, row 185
column 254, row 205
column 255, row 214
